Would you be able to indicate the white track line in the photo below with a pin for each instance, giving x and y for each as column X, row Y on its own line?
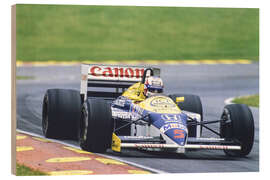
column 107, row 156
column 229, row 100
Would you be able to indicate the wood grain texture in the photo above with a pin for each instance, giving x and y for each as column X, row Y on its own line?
column 13, row 89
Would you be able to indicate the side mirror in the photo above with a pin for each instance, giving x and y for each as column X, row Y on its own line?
column 180, row 99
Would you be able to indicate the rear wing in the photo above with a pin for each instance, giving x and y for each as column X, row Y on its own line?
column 103, row 77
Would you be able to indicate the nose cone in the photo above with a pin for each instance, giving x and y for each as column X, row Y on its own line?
column 175, row 131
column 172, row 125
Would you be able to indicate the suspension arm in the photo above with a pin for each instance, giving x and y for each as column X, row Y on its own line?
column 203, row 124
column 132, row 122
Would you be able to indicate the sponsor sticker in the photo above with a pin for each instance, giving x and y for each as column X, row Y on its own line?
column 162, row 102
column 120, row 114
column 120, row 102
column 124, row 115
column 171, row 117
column 138, row 137
column 166, row 127
column 115, row 72
column 213, row 147
column 179, row 133
column 136, row 109
column 149, row 145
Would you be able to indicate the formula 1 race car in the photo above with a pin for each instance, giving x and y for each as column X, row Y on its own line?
column 101, row 119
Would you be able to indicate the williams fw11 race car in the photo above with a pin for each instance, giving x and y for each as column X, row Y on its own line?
column 122, row 107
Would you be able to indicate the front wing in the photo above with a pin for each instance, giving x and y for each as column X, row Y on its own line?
column 152, row 143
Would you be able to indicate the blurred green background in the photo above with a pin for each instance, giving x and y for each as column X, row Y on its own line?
column 67, row 32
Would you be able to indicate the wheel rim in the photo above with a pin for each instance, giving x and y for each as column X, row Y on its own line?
column 226, row 125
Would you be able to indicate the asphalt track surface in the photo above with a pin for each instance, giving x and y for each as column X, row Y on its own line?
column 213, row 83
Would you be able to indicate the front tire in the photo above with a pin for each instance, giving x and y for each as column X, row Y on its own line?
column 238, row 125
column 192, row 103
column 96, row 126
column 61, row 112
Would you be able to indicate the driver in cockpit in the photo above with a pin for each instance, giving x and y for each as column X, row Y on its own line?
column 138, row 92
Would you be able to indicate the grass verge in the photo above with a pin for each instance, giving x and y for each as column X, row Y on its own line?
column 24, row 77
column 22, row 170
column 72, row 32
column 248, row 100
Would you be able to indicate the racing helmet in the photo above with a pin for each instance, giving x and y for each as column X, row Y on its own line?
column 153, row 86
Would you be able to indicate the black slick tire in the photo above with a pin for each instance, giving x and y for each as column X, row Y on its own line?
column 238, row 125
column 61, row 112
column 96, row 126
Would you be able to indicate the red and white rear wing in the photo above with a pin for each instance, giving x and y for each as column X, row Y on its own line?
column 111, row 76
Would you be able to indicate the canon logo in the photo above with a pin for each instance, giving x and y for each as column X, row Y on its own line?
column 113, row 72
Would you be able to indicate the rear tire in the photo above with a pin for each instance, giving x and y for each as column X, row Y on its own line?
column 238, row 125
column 96, row 126
column 192, row 103
column 61, row 112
